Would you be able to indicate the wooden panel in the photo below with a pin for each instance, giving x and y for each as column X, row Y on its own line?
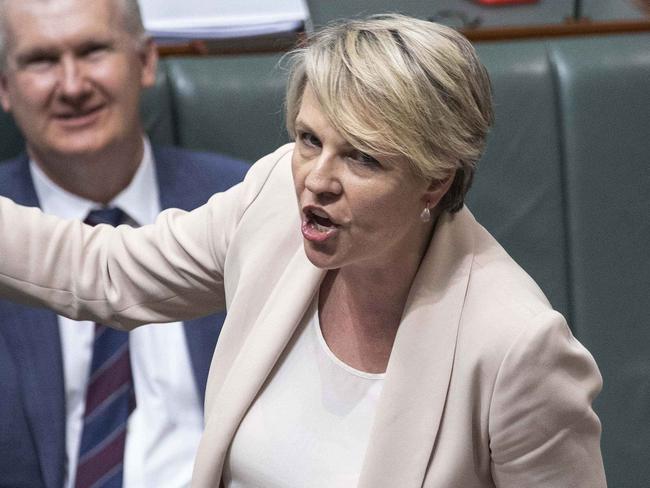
column 283, row 43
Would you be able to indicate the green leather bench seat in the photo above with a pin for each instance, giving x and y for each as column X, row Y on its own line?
column 11, row 142
column 604, row 99
column 517, row 192
column 157, row 112
column 229, row 104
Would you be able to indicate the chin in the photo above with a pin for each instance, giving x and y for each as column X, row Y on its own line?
column 81, row 147
column 320, row 258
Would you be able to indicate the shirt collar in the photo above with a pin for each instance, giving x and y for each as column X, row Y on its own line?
column 140, row 199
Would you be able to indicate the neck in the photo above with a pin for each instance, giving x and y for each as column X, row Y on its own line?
column 382, row 290
column 360, row 308
column 96, row 176
column 369, row 297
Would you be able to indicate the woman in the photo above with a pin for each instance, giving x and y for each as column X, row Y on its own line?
column 376, row 334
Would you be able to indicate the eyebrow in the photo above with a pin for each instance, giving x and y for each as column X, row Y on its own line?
column 35, row 53
column 94, row 43
column 53, row 51
column 302, row 124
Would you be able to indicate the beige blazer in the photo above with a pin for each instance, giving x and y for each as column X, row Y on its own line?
column 485, row 385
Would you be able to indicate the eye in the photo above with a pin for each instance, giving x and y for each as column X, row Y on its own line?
column 308, row 139
column 39, row 62
column 94, row 51
column 365, row 159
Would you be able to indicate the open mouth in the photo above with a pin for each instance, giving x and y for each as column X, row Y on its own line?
column 317, row 225
column 320, row 220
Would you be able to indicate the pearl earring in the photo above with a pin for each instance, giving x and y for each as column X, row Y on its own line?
column 425, row 216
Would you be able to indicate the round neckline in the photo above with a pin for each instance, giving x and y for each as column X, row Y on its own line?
column 343, row 365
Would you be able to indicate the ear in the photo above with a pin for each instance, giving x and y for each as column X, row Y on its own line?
column 149, row 59
column 4, row 92
column 437, row 189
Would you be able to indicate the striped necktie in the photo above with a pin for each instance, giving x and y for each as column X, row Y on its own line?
column 110, row 397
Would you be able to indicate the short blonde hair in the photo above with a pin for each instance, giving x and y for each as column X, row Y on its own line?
column 398, row 86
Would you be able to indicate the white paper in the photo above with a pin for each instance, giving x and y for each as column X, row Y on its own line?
column 223, row 18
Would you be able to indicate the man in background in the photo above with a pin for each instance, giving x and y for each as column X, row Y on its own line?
column 80, row 407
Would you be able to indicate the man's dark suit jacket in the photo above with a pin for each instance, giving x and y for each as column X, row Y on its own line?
column 32, row 409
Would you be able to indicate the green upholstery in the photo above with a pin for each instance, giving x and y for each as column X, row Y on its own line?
column 517, row 193
column 157, row 112
column 553, row 12
column 11, row 142
column 564, row 185
column 549, row 12
column 232, row 105
column 604, row 96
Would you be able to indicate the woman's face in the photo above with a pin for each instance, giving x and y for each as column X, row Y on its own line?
column 356, row 210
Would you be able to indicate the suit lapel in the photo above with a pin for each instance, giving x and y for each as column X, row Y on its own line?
column 33, row 335
column 420, row 367
column 201, row 338
column 36, row 344
column 266, row 340
column 178, row 190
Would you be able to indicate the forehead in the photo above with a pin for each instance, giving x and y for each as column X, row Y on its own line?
column 308, row 102
column 312, row 115
column 59, row 22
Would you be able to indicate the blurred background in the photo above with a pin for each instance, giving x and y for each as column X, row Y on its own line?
column 258, row 24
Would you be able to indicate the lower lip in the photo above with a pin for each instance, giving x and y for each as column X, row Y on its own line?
column 315, row 233
column 81, row 120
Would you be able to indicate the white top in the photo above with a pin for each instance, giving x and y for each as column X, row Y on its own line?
column 310, row 424
column 164, row 429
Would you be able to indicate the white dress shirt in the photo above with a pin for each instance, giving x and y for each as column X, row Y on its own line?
column 165, row 428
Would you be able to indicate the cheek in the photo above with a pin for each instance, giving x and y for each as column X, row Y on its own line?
column 123, row 82
column 31, row 91
column 297, row 171
column 386, row 213
column 114, row 77
column 371, row 210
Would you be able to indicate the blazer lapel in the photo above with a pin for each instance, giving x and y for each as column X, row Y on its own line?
column 34, row 339
column 420, row 367
column 33, row 335
column 174, row 189
column 201, row 338
column 266, row 340
column 178, row 190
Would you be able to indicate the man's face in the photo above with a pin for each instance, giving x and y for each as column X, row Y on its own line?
column 73, row 76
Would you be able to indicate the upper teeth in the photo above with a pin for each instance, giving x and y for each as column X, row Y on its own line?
column 319, row 213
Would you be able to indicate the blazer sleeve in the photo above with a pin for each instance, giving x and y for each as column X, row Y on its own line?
column 543, row 431
column 168, row 271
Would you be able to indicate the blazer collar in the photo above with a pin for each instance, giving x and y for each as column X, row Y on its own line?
column 35, row 341
column 17, row 181
column 421, row 362
column 40, row 364
column 419, row 369
column 178, row 190
column 268, row 337
column 174, row 190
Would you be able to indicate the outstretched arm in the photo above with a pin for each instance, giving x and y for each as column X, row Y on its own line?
column 171, row 270
column 168, row 271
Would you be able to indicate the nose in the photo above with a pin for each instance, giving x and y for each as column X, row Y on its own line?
column 323, row 176
column 72, row 84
